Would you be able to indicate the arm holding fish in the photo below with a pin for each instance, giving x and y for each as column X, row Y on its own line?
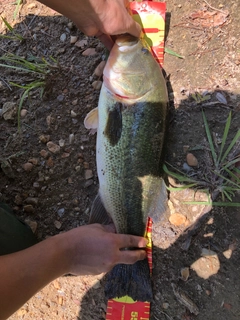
column 91, row 249
column 100, row 18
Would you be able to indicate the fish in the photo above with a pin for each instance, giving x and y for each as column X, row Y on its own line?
column 131, row 122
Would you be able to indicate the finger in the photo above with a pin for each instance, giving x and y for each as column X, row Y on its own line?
column 106, row 40
column 132, row 256
column 130, row 241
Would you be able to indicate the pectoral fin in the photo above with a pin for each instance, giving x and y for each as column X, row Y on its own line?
column 98, row 213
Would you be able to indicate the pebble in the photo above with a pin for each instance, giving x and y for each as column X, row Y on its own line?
column 81, row 43
column 63, row 37
column 32, row 5
column 73, row 39
column 88, row 174
column 27, row 166
column 186, row 167
column 44, row 138
column 192, row 160
column 71, row 138
column 61, row 212
column 23, row 113
column 32, row 224
column 185, row 273
column 57, row 224
column 89, row 52
column 44, row 154
column 99, row 69
column 50, row 163
column 65, row 155
column 73, row 114
column 70, row 25
column 61, row 143
column 33, row 161
column 9, row 110
column 97, row 84
column 220, row 97
column 36, row 185
column 53, row 147
column 28, row 208
column 60, row 98
column 32, row 201
column 74, row 102
column 18, row 199
column 207, row 265
column 177, row 219
column 88, row 183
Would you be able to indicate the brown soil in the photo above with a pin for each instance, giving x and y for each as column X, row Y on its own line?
column 64, row 184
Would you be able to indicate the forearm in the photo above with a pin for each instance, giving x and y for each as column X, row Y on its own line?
column 25, row 272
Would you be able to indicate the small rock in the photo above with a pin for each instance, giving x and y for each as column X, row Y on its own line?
column 177, row 219
column 53, row 147
column 23, row 113
column 32, row 224
column 88, row 174
column 36, row 185
column 50, row 162
column 192, row 160
column 34, row 161
column 57, row 224
column 33, row 201
column 97, row 84
column 186, row 167
column 220, row 97
column 73, row 39
column 70, row 25
column 60, row 98
column 207, row 265
column 74, row 102
column 88, row 183
column 185, row 273
column 28, row 208
column 65, row 155
column 99, row 69
column 165, row 305
column 63, row 37
column 61, row 212
column 81, row 43
column 9, row 110
column 71, row 138
column 73, row 114
column 27, row 166
column 89, row 52
column 61, row 143
column 44, row 138
column 18, row 199
column 44, row 154
column 32, row 5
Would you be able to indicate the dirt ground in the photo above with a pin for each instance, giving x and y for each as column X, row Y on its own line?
column 53, row 190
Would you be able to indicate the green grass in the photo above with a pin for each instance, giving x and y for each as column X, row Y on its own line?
column 225, row 176
column 40, row 69
column 14, row 35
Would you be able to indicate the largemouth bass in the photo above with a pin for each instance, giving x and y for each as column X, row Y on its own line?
column 130, row 122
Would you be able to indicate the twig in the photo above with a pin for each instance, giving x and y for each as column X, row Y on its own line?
column 215, row 8
column 6, row 83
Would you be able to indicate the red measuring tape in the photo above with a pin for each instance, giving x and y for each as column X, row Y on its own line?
column 125, row 308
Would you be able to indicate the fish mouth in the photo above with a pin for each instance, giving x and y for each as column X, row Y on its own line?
column 126, row 42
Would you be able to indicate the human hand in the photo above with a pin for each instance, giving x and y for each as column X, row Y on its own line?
column 94, row 249
column 101, row 18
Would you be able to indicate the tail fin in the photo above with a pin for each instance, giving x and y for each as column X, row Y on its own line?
column 131, row 280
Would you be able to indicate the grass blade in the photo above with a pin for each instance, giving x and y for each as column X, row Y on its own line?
column 225, row 134
column 214, row 155
column 237, row 136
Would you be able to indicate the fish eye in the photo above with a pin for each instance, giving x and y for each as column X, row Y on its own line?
column 145, row 50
